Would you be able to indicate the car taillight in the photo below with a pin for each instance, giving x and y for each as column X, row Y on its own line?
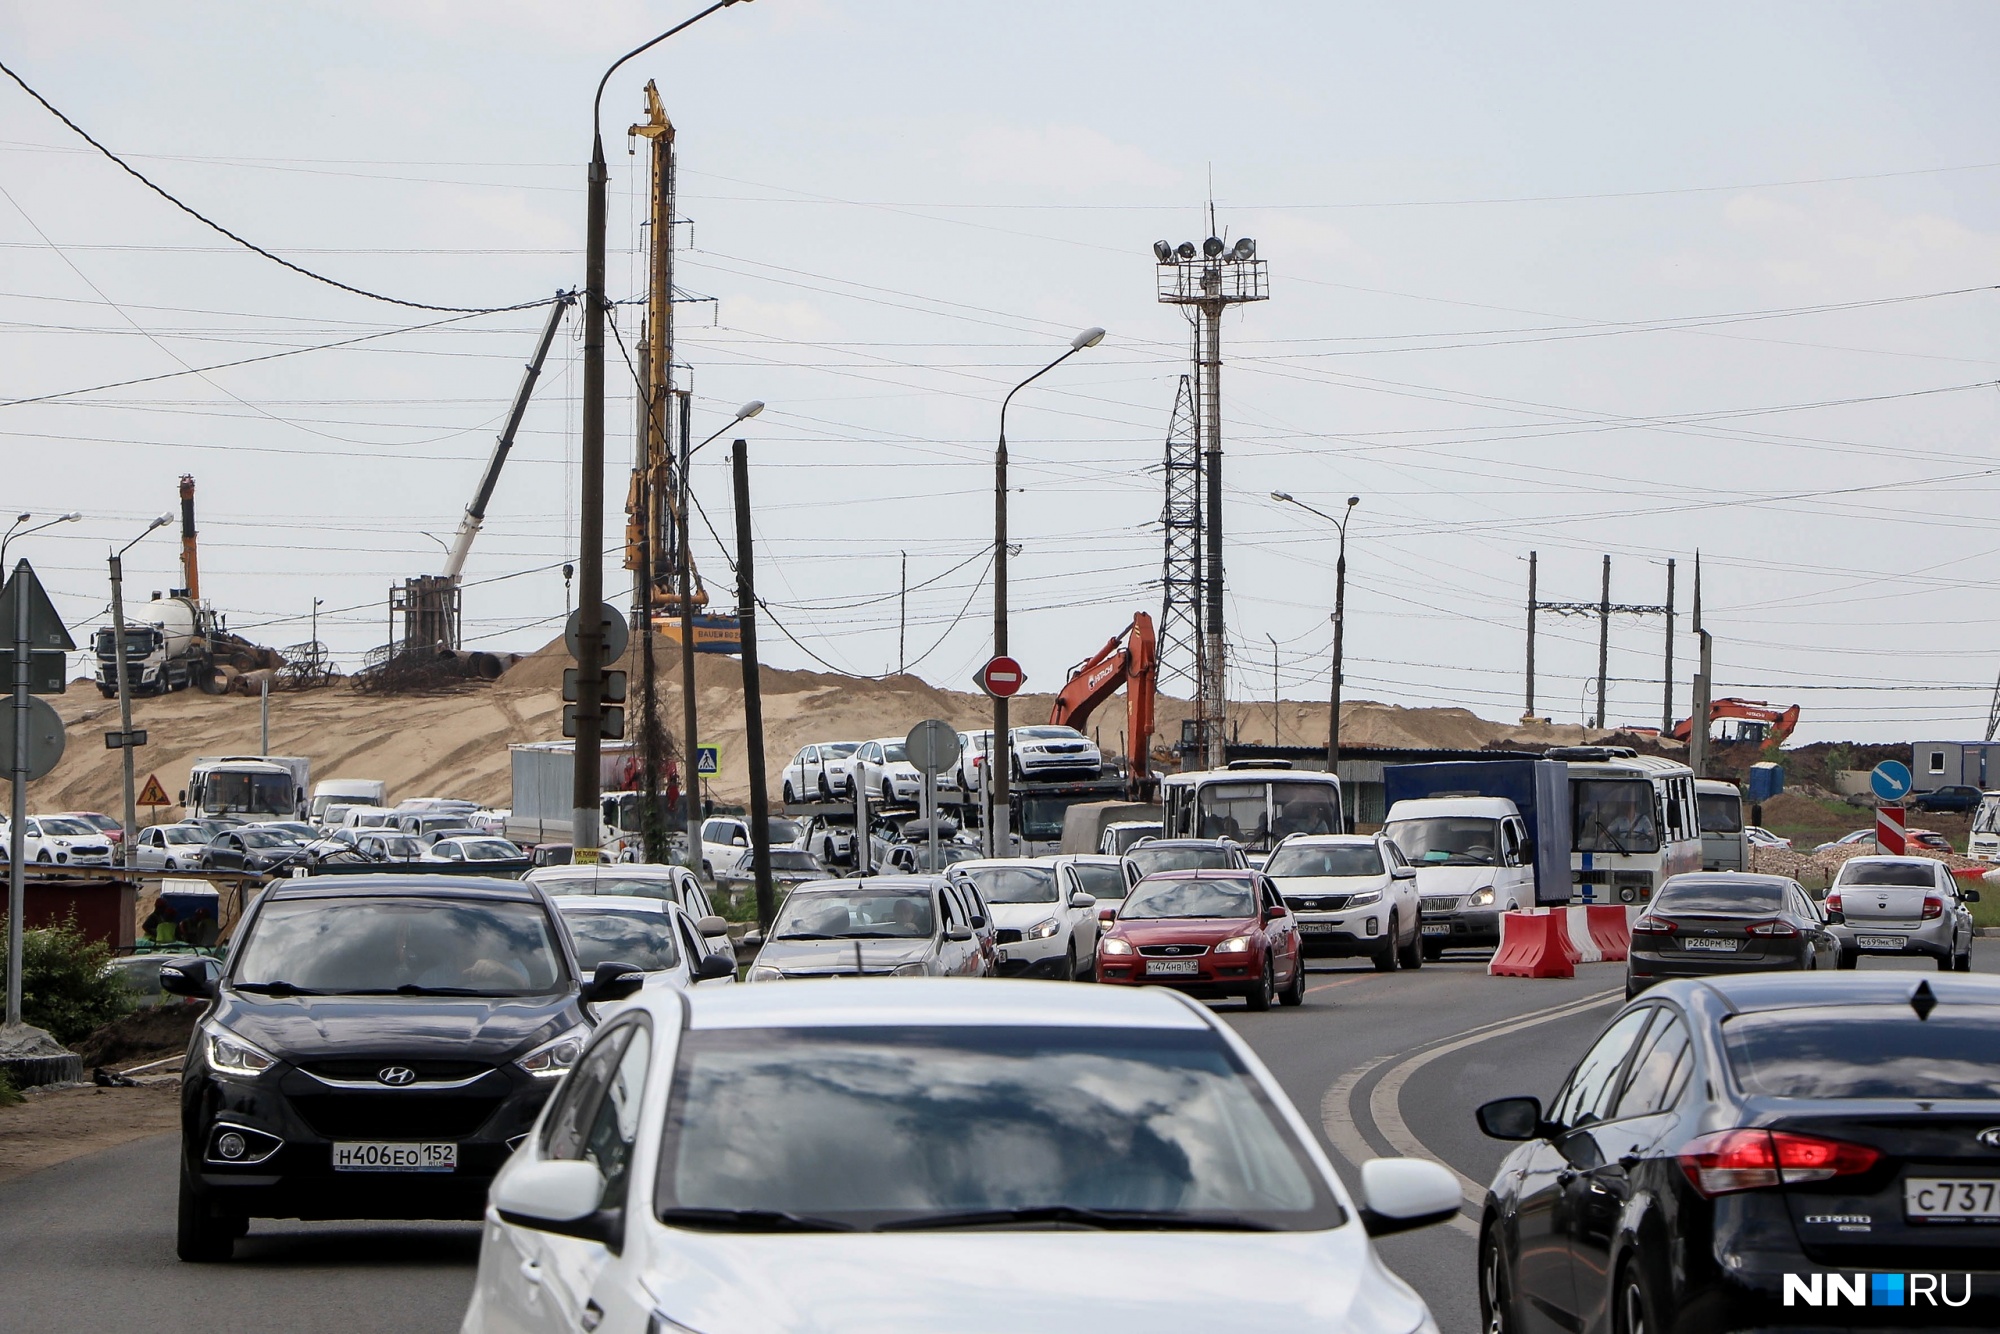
column 1650, row 925
column 1933, row 906
column 1833, row 901
column 1733, row 1160
column 1774, row 928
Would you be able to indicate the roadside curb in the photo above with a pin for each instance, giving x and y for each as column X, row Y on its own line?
column 1986, row 930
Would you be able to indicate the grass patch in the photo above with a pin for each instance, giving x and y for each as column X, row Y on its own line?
column 1986, row 912
column 9, row 1095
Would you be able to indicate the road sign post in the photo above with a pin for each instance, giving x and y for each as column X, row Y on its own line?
column 31, row 623
column 932, row 746
column 1891, row 781
column 1889, row 831
column 707, row 761
column 1002, row 679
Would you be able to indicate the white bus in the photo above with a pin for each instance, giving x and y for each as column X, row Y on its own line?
column 1634, row 821
column 1253, row 804
column 1723, row 847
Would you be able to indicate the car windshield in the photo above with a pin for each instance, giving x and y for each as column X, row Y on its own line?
column 792, row 859
column 254, row 794
column 1257, row 814
column 1051, row 733
column 1867, row 1052
column 1721, row 897
column 1154, row 857
column 589, row 881
column 903, row 914
column 976, row 1126
column 1447, row 840
column 489, row 850
column 777, row 829
column 66, row 828
column 621, row 935
column 1014, row 884
column 382, row 946
column 1613, row 815
column 1721, row 812
column 1190, row 898
column 1339, row 859
column 1100, row 880
column 264, row 838
column 1896, row 875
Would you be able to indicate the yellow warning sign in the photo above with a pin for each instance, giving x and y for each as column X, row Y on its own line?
column 154, row 794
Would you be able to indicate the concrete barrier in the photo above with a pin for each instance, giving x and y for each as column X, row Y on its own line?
column 1610, row 926
column 1534, row 942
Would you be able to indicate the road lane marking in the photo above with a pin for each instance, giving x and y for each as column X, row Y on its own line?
column 1384, row 1110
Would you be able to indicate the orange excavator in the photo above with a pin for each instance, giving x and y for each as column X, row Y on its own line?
column 1131, row 658
column 1780, row 722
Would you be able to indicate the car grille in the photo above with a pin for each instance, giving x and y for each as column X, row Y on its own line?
column 1007, row 936
column 1074, row 748
column 400, row 1116
column 1173, row 951
column 436, row 1071
column 1448, row 903
column 1328, row 903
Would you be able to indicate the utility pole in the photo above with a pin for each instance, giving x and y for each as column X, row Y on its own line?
column 903, row 615
column 652, row 837
column 690, row 755
column 1180, row 637
column 1528, row 711
column 1703, row 685
column 1603, row 609
column 1274, row 689
column 1603, row 642
column 753, row 694
column 1667, row 708
column 131, row 808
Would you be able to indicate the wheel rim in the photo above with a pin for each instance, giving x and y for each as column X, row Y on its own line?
column 1635, row 1309
column 1489, row 1279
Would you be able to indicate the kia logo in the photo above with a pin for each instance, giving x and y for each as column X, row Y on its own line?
column 1990, row 1137
column 396, row 1075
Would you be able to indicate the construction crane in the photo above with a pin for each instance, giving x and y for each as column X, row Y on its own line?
column 1131, row 658
column 1764, row 723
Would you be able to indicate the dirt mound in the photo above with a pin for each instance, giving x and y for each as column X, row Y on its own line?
column 163, row 1030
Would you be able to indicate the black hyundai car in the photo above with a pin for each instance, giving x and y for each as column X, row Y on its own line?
column 375, row 1048
column 1776, row 1150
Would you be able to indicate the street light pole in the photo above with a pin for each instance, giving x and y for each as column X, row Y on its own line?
column 131, row 811
column 20, row 519
column 1000, row 749
column 585, row 779
column 1339, row 618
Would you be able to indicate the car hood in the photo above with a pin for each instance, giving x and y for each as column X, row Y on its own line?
column 837, row 956
column 1312, row 886
column 971, row 1282
column 1184, row 930
column 304, row 1028
column 1453, row 879
column 1022, row 915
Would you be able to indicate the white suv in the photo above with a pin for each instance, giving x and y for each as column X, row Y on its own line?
column 1352, row 894
column 1050, row 751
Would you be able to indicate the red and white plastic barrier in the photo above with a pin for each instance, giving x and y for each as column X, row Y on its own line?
column 1534, row 942
column 1583, row 941
column 1611, row 928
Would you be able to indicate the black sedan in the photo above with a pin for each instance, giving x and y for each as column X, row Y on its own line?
column 1758, row 1152
column 250, row 848
column 1709, row 923
column 1958, row 799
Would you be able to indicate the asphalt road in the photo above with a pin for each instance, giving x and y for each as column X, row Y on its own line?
column 1377, row 1064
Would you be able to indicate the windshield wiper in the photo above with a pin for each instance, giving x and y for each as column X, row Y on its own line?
column 274, row 989
column 804, row 935
column 1605, row 830
column 751, row 1220
column 1109, row 1220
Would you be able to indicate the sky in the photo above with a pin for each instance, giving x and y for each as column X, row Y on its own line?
column 1567, row 279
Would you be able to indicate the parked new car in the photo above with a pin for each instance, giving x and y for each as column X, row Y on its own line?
column 883, row 767
column 878, row 926
column 652, row 935
column 1849, row 840
column 821, row 772
column 170, row 847
column 1956, row 799
column 1210, row 934
column 1760, row 837
column 972, row 748
column 724, row 838
column 914, row 1155
column 1708, row 924
column 376, row 1047
column 249, row 848
column 915, row 858
column 475, row 848
column 1045, row 929
column 789, row 867
column 1910, row 906
column 1150, row 856
column 645, row 880
column 102, row 823
column 1757, row 1152
column 1050, row 751
column 1351, row 894
column 60, row 840
column 832, row 841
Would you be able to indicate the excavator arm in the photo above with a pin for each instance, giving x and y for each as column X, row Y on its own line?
column 1130, row 658
column 1782, row 722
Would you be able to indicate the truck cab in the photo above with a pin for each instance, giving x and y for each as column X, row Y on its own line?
column 1473, row 861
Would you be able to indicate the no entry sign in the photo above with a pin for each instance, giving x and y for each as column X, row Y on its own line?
column 1002, row 677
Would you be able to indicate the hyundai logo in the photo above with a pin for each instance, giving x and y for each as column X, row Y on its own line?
column 1990, row 1137
column 396, row 1075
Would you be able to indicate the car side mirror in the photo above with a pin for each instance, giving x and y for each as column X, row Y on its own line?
column 1398, row 1194
column 956, row 932
column 613, row 982
column 1079, row 899
column 1403, row 873
column 713, row 925
column 713, row 967
column 1969, row 895
column 562, row 1195
column 1511, row 1118
column 1274, row 912
column 192, row 979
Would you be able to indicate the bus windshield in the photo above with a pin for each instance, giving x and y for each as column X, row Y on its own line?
column 1258, row 813
column 254, row 794
column 1613, row 815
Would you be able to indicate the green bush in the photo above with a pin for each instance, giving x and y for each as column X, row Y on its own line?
column 64, row 986
column 8, row 1095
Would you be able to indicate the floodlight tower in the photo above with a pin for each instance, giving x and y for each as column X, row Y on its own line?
column 1204, row 282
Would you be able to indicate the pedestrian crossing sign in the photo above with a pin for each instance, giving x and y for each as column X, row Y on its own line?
column 707, row 760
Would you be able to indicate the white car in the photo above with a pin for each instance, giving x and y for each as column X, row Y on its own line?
column 170, row 847
column 916, row 1154
column 1759, row 837
column 972, row 747
column 61, row 840
column 1106, row 879
column 652, row 935
column 1119, row 836
column 1045, row 928
column 884, row 769
column 475, row 848
column 1352, row 894
column 828, row 840
column 724, row 838
column 821, row 772
column 643, row 880
column 1051, row 751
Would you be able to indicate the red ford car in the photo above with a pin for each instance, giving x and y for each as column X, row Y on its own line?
column 1209, row 933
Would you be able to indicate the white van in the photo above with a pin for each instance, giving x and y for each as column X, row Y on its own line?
column 1720, row 806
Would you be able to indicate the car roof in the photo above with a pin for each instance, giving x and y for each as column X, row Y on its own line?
column 984, row 863
column 1753, row 993
column 1730, row 879
column 1082, row 858
column 1332, row 840
column 1890, row 857
column 623, row 870
column 608, row 903
column 1180, row 843
column 402, row 886
column 890, row 882
column 937, row 1002
column 1205, row 873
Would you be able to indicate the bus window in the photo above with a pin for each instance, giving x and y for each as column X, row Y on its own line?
column 1613, row 815
column 1721, row 813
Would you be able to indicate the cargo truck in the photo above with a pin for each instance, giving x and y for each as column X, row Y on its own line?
column 544, row 780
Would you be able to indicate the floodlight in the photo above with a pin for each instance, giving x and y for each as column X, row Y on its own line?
column 1185, row 250
column 1212, row 247
column 1163, row 251
column 1244, row 249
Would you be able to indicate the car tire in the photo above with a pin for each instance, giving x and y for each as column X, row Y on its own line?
column 1496, row 1296
column 1069, row 960
column 888, row 793
column 1635, row 1309
column 1848, row 959
column 200, row 1236
column 1294, row 994
column 1963, row 963
column 1946, row 963
column 790, row 796
column 1413, row 953
column 1260, row 995
column 1386, row 959
column 825, row 789
column 1432, row 953
column 42, row 857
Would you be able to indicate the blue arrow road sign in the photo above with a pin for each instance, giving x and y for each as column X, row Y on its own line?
column 1891, row 780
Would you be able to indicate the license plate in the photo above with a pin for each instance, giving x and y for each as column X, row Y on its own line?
column 1437, row 928
column 1718, row 946
column 1319, row 928
column 378, row 1156
column 1171, row 967
column 1881, row 942
column 1964, row 1200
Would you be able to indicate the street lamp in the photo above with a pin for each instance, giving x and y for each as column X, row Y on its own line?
column 20, row 519
column 590, row 536
column 131, row 838
column 997, row 768
column 1339, row 615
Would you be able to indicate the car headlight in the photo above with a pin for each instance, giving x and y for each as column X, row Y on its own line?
column 1042, row 930
column 764, row 973
column 1234, row 945
column 908, row 970
column 1481, row 897
column 1114, row 945
column 1365, row 897
column 230, row 1055
column 553, row 1058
